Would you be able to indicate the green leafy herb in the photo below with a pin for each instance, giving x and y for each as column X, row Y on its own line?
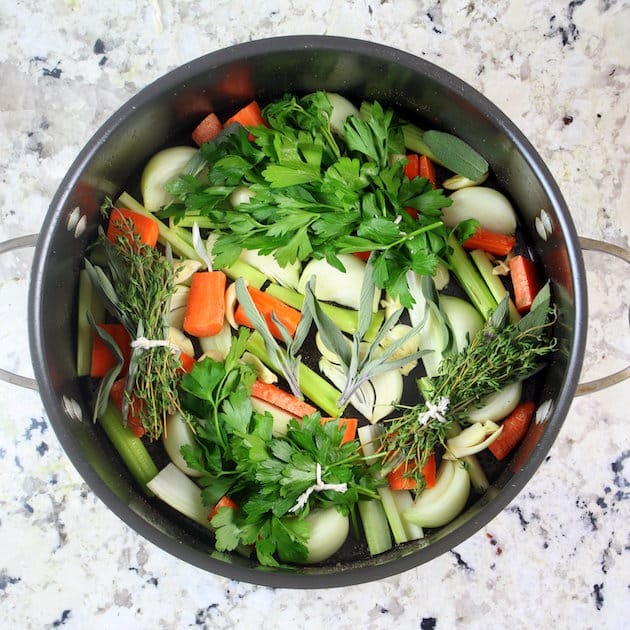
column 358, row 366
column 136, row 284
column 317, row 195
column 498, row 355
column 264, row 475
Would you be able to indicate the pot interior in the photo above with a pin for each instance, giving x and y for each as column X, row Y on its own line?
column 166, row 111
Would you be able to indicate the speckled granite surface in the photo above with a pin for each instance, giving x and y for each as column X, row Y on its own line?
column 559, row 555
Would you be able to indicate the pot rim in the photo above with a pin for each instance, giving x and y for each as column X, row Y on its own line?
column 330, row 577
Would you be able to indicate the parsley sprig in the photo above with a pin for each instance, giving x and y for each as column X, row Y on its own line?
column 317, row 195
column 265, row 475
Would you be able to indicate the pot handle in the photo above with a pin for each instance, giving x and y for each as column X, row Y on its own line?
column 19, row 242
column 616, row 377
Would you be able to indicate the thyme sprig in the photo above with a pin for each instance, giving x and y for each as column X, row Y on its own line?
column 136, row 282
column 500, row 354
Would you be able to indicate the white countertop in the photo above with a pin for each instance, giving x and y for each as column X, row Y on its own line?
column 559, row 555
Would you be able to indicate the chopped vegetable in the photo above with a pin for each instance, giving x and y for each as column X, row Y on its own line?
column 248, row 116
column 132, row 407
column 427, row 170
column 273, row 310
column 514, row 429
column 207, row 129
column 525, row 281
column 486, row 205
column 279, row 398
column 401, row 479
column 223, row 502
column 205, row 309
column 103, row 359
column 490, row 242
column 129, row 224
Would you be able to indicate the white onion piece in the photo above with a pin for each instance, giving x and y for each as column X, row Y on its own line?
column 472, row 439
column 492, row 209
column 341, row 109
column 176, row 434
column 333, row 285
column 287, row 276
column 184, row 271
column 218, row 345
column 464, row 319
column 163, row 167
column 179, row 339
column 440, row 504
column 499, row 405
column 241, row 194
column 263, row 373
column 230, row 305
column 328, row 531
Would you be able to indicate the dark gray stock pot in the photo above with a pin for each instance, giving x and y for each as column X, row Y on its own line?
column 221, row 81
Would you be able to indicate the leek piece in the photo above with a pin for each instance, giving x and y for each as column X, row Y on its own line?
column 498, row 290
column 413, row 138
column 470, row 279
column 179, row 491
column 181, row 246
column 316, row 388
column 129, row 447
column 404, row 500
column 375, row 526
column 368, row 437
column 345, row 318
column 89, row 302
column 463, row 318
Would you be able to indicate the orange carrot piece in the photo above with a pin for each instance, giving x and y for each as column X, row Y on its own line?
column 349, row 426
column 490, row 242
column 398, row 478
column 525, row 282
column 514, row 429
column 426, row 169
column 248, row 116
column 103, row 359
column 277, row 397
column 205, row 308
column 117, row 394
column 224, row 501
column 127, row 223
column 188, row 362
column 411, row 169
column 207, row 129
column 266, row 305
column 363, row 255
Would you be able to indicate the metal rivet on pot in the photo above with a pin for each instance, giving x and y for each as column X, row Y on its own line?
column 544, row 411
column 72, row 408
column 77, row 222
column 544, row 226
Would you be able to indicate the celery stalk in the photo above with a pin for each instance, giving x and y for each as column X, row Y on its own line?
column 129, row 447
column 498, row 290
column 317, row 389
column 89, row 302
column 375, row 526
column 181, row 246
column 346, row 319
column 470, row 279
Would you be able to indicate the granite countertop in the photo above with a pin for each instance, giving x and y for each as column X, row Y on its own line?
column 558, row 556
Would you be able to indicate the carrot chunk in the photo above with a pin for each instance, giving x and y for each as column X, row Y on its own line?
column 525, row 282
column 103, row 359
column 127, row 223
column 207, row 129
column 205, row 308
column 277, row 397
column 490, row 242
column 117, row 394
column 399, row 478
column 514, row 429
column 266, row 305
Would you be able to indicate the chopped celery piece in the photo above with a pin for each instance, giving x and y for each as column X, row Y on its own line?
column 89, row 302
column 129, row 447
column 498, row 290
column 346, row 319
column 470, row 279
column 317, row 389
column 182, row 247
column 180, row 492
column 188, row 220
column 375, row 526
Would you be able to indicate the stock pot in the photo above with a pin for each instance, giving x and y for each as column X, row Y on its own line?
column 221, row 81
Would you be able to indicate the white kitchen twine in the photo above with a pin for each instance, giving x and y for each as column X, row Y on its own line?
column 319, row 486
column 434, row 412
column 146, row 344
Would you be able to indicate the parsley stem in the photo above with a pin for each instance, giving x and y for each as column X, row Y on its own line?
column 406, row 237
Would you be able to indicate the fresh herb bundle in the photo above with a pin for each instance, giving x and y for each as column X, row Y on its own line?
column 136, row 284
column 500, row 354
column 264, row 475
column 316, row 195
